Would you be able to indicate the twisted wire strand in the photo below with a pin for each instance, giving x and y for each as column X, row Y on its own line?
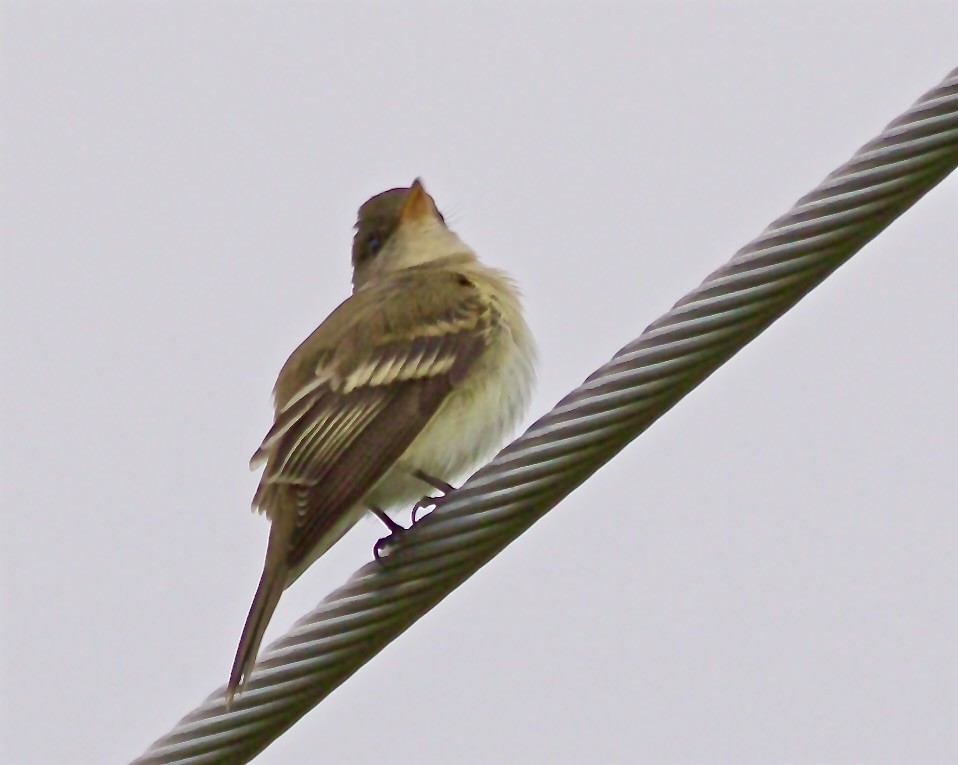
column 585, row 429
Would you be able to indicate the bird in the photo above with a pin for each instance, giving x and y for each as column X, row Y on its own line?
column 416, row 378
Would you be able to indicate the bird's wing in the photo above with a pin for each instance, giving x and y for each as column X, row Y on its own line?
column 365, row 401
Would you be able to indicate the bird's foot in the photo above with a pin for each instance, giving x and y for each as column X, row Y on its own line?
column 430, row 503
column 426, row 503
column 385, row 546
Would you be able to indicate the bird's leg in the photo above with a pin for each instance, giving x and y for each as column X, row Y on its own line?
column 389, row 523
column 385, row 545
column 437, row 483
column 433, row 502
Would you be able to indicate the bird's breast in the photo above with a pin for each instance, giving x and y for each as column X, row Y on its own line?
column 474, row 421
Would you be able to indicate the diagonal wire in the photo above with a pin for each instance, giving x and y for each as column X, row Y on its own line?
column 590, row 425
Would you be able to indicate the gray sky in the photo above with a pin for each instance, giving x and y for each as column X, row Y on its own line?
column 770, row 574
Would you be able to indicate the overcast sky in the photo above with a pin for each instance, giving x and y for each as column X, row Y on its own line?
column 770, row 574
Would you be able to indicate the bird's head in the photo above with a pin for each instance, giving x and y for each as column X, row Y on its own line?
column 400, row 228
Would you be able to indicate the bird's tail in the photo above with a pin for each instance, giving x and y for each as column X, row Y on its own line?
column 271, row 586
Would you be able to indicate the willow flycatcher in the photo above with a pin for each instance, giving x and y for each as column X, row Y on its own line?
column 416, row 378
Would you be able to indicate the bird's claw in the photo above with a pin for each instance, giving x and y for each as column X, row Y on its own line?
column 426, row 503
column 386, row 546
column 430, row 502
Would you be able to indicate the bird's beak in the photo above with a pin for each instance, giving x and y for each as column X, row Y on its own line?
column 418, row 204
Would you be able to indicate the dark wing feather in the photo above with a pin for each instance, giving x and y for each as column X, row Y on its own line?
column 364, row 461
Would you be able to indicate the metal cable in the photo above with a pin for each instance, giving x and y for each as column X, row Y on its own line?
column 590, row 425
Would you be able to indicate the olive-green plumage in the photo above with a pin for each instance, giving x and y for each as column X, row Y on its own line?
column 424, row 369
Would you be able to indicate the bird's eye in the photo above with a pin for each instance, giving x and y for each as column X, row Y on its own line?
column 373, row 244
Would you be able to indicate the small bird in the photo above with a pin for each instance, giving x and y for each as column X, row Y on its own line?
column 416, row 378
